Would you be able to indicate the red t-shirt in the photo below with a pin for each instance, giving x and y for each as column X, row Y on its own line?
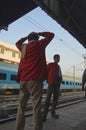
column 33, row 65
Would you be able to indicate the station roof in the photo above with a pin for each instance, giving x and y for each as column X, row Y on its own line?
column 11, row 10
column 70, row 14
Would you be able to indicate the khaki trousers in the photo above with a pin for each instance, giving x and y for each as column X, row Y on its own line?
column 35, row 89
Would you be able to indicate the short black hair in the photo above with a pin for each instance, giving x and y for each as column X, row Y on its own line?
column 33, row 36
column 56, row 55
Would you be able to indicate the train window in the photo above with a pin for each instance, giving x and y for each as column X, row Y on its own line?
column 76, row 83
column 13, row 77
column 80, row 83
column 73, row 83
column 63, row 82
column 70, row 83
column 3, row 76
column 67, row 82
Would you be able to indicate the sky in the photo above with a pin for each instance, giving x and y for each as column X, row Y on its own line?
column 70, row 50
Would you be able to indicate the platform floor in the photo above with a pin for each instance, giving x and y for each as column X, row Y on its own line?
column 72, row 117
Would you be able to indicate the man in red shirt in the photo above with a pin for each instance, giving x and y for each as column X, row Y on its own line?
column 54, row 80
column 31, row 73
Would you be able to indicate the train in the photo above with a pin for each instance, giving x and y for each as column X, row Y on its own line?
column 8, row 84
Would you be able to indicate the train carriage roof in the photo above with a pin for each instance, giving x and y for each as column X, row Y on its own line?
column 70, row 14
column 8, row 66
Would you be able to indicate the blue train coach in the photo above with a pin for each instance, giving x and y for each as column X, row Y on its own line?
column 8, row 84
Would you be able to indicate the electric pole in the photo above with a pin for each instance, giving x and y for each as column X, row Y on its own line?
column 74, row 75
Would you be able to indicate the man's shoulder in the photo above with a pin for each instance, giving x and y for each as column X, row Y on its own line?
column 51, row 64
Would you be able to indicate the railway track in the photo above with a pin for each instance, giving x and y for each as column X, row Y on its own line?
column 7, row 99
column 8, row 111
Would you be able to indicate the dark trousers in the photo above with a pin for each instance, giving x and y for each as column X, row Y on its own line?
column 52, row 89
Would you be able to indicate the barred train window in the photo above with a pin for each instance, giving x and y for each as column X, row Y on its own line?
column 63, row 82
column 13, row 77
column 3, row 76
column 67, row 83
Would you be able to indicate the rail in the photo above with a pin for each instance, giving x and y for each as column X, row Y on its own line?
column 8, row 112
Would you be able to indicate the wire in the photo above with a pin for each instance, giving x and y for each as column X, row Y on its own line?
column 34, row 23
column 31, row 20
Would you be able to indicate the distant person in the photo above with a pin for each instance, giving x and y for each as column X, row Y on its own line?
column 54, row 80
column 84, row 82
column 31, row 73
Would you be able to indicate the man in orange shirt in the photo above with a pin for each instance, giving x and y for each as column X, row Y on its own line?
column 54, row 80
column 31, row 73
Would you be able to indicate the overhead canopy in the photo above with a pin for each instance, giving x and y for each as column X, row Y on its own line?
column 11, row 10
column 68, row 13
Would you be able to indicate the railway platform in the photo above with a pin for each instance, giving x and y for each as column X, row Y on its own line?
column 71, row 117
